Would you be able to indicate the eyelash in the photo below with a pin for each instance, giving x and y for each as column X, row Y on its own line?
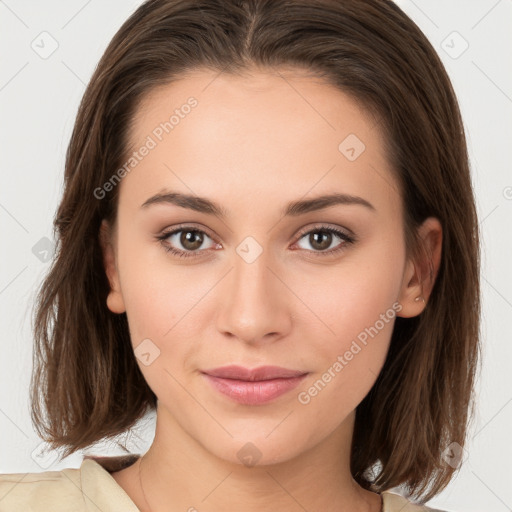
column 193, row 254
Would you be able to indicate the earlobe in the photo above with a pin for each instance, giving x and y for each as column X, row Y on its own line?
column 420, row 274
column 115, row 302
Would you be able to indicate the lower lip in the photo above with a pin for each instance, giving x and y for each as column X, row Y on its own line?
column 254, row 392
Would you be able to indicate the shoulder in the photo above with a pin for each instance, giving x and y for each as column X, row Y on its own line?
column 88, row 488
column 394, row 502
column 58, row 491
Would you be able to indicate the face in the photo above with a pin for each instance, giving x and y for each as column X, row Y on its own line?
column 314, row 288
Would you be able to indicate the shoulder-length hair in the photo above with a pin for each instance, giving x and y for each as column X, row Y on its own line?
column 86, row 385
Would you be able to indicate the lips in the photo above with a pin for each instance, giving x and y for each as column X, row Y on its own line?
column 253, row 386
column 261, row 373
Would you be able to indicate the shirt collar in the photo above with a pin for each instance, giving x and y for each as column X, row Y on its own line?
column 99, row 488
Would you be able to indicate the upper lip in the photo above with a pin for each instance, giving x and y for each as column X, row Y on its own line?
column 254, row 374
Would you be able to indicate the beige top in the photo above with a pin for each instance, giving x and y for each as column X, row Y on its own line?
column 91, row 488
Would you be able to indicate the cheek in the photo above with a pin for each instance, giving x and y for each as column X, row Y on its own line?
column 148, row 309
column 165, row 309
column 351, row 353
column 158, row 304
column 156, row 294
column 348, row 360
column 356, row 310
column 351, row 297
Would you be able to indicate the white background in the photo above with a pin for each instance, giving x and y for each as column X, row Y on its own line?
column 38, row 102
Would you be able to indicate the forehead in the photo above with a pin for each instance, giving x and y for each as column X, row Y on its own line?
column 278, row 133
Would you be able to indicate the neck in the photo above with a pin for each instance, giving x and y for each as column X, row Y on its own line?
column 177, row 473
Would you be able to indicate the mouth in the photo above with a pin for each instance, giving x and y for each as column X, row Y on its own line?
column 253, row 386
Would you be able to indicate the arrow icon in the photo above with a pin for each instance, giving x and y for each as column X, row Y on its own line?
column 351, row 147
column 147, row 352
column 453, row 454
column 43, row 249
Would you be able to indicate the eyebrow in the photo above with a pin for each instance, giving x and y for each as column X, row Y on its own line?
column 293, row 209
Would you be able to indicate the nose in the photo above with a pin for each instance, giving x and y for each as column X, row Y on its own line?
column 254, row 302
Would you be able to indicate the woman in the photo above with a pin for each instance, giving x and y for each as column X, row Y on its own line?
column 268, row 234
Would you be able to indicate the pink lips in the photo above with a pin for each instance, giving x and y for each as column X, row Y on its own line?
column 256, row 386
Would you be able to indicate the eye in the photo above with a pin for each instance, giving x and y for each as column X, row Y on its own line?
column 321, row 238
column 190, row 238
column 189, row 241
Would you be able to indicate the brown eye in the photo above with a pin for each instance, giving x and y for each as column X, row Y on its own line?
column 191, row 240
column 320, row 240
column 185, row 241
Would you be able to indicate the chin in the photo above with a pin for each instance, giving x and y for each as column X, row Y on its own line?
column 257, row 449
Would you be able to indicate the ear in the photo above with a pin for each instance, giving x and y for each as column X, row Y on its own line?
column 420, row 273
column 115, row 300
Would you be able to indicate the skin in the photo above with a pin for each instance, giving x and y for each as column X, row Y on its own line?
column 252, row 144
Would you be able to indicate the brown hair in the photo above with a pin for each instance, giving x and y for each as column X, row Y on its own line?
column 86, row 385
